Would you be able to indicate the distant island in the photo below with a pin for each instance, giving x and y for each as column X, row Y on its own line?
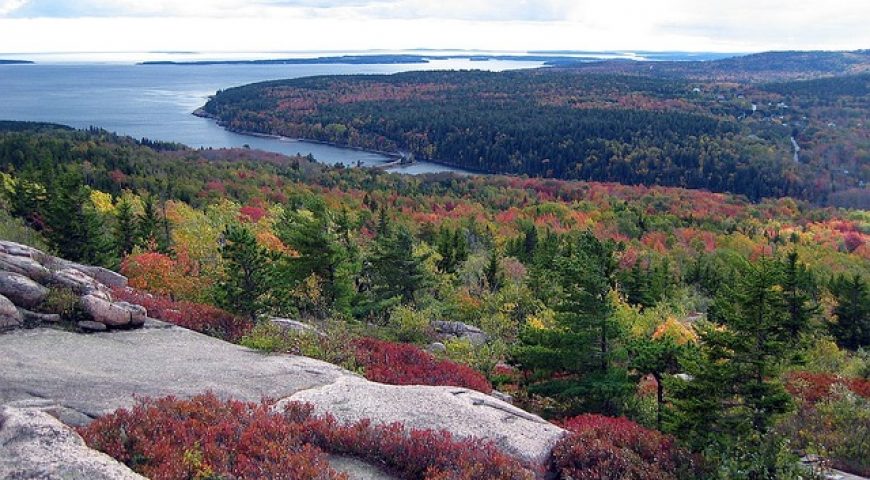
column 15, row 62
column 386, row 59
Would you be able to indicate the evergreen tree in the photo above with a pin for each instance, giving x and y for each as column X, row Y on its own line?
column 798, row 285
column 73, row 226
column 734, row 394
column 658, row 357
column 324, row 247
column 852, row 325
column 582, row 349
column 125, row 228
column 149, row 223
column 493, row 272
column 396, row 272
column 248, row 273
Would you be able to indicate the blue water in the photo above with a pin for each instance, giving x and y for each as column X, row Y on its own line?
column 156, row 101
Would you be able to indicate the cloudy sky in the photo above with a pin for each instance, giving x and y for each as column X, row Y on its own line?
column 31, row 26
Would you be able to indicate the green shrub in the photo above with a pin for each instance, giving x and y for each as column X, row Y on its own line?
column 14, row 229
column 64, row 302
column 408, row 325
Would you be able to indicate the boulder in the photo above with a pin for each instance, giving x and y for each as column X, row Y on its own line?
column 38, row 318
column 100, row 274
column 25, row 266
column 461, row 331
column 79, row 282
column 112, row 314
column 19, row 250
column 23, row 291
column 89, row 326
column 294, row 326
column 10, row 317
column 462, row 412
column 33, row 444
column 437, row 347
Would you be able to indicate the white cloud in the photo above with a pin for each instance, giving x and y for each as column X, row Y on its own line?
column 9, row 6
column 274, row 25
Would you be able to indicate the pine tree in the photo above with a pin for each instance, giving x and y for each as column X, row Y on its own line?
column 126, row 235
column 397, row 273
column 149, row 223
column 584, row 344
column 248, row 273
column 324, row 248
column 734, row 393
column 798, row 285
column 852, row 325
column 493, row 272
column 73, row 226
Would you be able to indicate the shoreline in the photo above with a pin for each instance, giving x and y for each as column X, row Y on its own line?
column 398, row 159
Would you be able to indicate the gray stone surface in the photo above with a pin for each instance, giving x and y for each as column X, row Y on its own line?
column 84, row 376
column 78, row 282
column 356, row 469
column 37, row 318
column 23, row 291
column 25, row 266
column 91, row 326
column 10, row 317
column 463, row 412
column 98, row 373
column 35, row 445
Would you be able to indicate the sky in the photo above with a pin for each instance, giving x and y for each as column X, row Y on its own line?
column 34, row 26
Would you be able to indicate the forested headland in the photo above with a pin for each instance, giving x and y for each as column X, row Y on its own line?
column 723, row 125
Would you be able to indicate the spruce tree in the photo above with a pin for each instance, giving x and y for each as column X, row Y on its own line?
column 396, row 272
column 73, row 226
column 126, row 235
column 324, row 247
column 248, row 273
column 851, row 327
column 583, row 348
column 734, row 394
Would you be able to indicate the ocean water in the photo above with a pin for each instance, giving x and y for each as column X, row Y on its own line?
column 157, row 101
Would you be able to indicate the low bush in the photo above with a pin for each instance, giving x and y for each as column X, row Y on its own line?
column 195, row 316
column 205, row 437
column 331, row 346
column 832, row 419
column 62, row 301
column 606, row 448
column 810, row 387
column 404, row 364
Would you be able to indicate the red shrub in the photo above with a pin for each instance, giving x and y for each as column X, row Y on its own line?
column 404, row 364
column 195, row 316
column 812, row 387
column 606, row 448
column 207, row 438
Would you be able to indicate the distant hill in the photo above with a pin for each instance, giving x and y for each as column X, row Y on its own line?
column 15, row 62
column 723, row 125
column 18, row 126
column 758, row 67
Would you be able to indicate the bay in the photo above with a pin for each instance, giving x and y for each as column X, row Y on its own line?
column 157, row 101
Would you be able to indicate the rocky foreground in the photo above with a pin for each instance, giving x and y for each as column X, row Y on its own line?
column 53, row 376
